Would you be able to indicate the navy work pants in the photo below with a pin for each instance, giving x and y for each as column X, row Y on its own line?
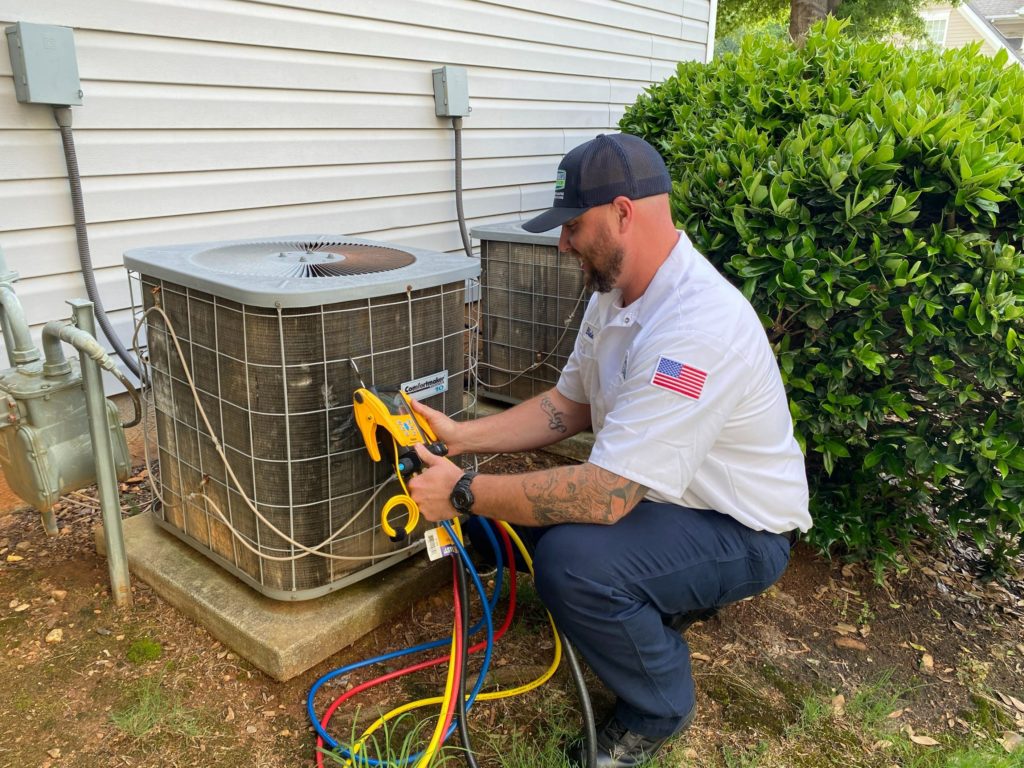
column 612, row 588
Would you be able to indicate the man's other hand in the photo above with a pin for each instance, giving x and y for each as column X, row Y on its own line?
column 431, row 489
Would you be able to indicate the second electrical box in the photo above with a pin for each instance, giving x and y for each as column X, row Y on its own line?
column 451, row 92
column 44, row 64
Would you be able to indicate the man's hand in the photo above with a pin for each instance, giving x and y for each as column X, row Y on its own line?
column 444, row 427
column 431, row 489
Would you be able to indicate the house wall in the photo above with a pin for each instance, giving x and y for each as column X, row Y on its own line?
column 961, row 32
column 225, row 119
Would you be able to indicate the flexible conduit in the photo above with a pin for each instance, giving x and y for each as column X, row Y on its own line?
column 63, row 117
column 457, row 125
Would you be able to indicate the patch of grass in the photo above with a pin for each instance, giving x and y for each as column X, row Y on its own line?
column 872, row 703
column 22, row 702
column 745, row 706
column 992, row 757
column 144, row 649
column 987, row 716
column 393, row 743
column 814, row 710
column 793, row 691
column 745, row 758
column 557, row 724
column 520, row 751
column 150, row 710
column 954, row 755
column 866, row 736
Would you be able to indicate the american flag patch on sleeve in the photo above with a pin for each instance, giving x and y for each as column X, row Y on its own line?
column 679, row 377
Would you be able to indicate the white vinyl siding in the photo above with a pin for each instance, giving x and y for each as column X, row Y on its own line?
column 964, row 26
column 961, row 32
column 226, row 119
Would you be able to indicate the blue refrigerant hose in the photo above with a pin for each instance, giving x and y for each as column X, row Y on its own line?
column 488, row 606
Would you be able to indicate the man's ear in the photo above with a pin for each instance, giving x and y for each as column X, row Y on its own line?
column 624, row 211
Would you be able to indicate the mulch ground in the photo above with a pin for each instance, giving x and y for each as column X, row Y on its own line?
column 78, row 678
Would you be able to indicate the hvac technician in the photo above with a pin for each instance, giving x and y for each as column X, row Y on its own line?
column 695, row 486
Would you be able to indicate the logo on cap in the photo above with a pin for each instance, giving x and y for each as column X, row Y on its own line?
column 559, row 185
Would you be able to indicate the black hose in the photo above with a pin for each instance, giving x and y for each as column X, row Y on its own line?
column 589, row 726
column 461, row 583
column 467, row 246
column 582, row 692
column 63, row 117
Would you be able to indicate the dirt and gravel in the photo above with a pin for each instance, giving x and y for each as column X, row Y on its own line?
column 84, row 684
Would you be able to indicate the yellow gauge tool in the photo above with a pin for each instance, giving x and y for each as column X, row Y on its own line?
column 381, row 412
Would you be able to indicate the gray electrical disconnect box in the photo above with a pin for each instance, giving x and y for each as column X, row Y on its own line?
column 451, row 92
column 44, row 64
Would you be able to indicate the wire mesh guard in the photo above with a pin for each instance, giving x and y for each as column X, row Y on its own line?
column 530, row 313
column 276, row 385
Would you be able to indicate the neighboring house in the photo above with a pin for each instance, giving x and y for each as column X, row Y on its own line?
column 229, row 119
column 995, row 24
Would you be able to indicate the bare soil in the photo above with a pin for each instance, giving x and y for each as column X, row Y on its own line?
column 84, row 684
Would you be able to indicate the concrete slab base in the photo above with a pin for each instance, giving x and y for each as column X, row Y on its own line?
column 282, row 639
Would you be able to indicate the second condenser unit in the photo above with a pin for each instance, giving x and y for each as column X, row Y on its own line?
column 272, row 332
column 531, row 304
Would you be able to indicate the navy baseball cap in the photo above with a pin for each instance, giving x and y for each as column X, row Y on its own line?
column 595, row 173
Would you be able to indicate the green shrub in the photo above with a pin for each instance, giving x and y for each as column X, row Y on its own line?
column 869, row 200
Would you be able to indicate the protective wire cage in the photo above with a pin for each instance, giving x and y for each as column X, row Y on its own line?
column 286, row 497
column 531, row 304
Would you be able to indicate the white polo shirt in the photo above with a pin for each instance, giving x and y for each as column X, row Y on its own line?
column 686, row 397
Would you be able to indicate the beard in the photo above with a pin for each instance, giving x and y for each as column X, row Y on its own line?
column 601, row 268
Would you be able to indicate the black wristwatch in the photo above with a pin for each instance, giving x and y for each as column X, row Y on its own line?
column 462, row 497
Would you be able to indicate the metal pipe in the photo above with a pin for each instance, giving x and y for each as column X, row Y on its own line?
column 56, row 331
column 53, row 350
column 17, row 337
column 106, row 474
column 6, row 276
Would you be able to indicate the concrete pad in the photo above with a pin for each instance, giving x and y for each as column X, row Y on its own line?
column 283, row 639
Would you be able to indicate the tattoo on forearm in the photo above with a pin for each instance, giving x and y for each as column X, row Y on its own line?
column 554, row 415
column 581, row 494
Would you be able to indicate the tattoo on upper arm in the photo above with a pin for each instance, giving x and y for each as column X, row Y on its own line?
column 581, row 494
column 554, row 415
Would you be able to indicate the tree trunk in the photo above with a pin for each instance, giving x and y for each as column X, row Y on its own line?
column 804, row 13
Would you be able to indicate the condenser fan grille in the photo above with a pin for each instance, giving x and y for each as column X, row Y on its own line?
column 300, row 270
column 302, row 259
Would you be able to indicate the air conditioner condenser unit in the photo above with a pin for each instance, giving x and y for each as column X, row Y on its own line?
column 531, row 304
column 272, row 332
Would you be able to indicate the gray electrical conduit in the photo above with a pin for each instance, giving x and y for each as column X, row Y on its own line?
column 56, row 331
column 457, row 125
column 63, row 117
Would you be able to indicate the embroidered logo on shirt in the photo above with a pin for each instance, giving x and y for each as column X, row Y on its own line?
column 588, row 332
column 679, row 377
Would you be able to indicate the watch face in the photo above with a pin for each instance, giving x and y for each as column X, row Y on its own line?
column 462, row 497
